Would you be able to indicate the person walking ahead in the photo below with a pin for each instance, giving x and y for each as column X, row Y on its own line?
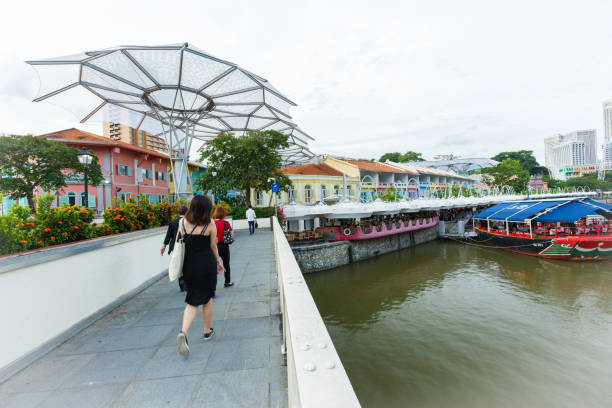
column 250, row 214
column 200, row 266
column 173, row 227
column 224, row 249
column 170, row 239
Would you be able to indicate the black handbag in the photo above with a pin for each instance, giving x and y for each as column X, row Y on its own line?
column 228, row 237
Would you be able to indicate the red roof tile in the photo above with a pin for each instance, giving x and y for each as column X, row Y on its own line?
column 376, row 166
column 77, row 136
column 312, row 170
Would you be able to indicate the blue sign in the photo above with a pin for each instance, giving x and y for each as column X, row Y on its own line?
column 275, row 188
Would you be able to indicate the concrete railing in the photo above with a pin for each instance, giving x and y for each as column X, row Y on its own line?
column 49, row 295
column 316, row 376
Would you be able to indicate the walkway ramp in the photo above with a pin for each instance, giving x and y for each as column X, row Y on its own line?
column 129, row 357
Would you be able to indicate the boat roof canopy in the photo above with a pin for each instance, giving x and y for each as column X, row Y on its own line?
column 546, row 210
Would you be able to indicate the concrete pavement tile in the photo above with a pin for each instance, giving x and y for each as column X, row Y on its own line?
column 122, row 339
column 36, row 377
column 157, row 317
column 239, row 355
column 137, row 304
column 278, row 387
column 243, row 388
column 109, row 368
column 248, row 309
column 167, row 392
column 247, row 328
column 171, row 302
column 23, row 399
column 252, row 295
column 90, row 397
column 167, row 362
column 119, row 319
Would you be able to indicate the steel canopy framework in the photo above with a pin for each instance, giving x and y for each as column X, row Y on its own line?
column 176, row 91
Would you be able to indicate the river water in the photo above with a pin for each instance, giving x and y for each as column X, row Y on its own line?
column 446, row 324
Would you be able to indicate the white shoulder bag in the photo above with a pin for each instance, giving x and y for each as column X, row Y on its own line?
column 175, row 269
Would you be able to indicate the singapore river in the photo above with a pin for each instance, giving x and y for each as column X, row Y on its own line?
column 446, row 324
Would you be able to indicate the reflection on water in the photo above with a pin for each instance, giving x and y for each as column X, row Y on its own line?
column 452, row 325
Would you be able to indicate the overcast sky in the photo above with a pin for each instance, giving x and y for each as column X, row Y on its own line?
column 471, row 78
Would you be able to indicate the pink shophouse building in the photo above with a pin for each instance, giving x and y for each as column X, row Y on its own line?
column 128, row 170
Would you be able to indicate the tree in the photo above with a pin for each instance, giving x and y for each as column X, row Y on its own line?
column 27, row 162
column 394, row 157
column 245, row 162
column 508, row 172
column 411, row 156
column 526, row 158
column 397, row 157
column 446, row 157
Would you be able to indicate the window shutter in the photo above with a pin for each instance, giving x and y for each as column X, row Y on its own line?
column 92, row 201
column 63, row 200
column 129, row 170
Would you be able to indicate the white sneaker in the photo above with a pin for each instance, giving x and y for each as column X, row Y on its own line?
column 183, row 344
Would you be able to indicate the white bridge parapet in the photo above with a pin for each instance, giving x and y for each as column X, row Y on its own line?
column 316, row 376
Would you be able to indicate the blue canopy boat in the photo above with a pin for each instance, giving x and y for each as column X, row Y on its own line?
column 570, row 229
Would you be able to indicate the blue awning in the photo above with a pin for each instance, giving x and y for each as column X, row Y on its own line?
column 517, row 211
column 558, row 210
column 574, row 211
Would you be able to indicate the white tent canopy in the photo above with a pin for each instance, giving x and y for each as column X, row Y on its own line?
column 176, row 91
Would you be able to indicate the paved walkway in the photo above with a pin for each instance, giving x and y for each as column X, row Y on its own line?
column 129, row 357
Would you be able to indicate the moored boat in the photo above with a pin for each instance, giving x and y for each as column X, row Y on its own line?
column 569, row 229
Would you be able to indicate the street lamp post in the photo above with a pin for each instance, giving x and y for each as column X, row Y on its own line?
column 214, row 174
column 85, row 158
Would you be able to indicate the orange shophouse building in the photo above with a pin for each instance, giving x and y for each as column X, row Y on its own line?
column 128, row 170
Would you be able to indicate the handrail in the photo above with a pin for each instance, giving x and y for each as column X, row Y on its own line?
column 315, row 374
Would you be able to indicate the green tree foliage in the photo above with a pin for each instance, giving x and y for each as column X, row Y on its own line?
column 394, row 157
column 397, row 157
column 508, row 172
column 245, row 162
column 590, row 181
column 27, row 162
column 411, row 156
column 526, row 158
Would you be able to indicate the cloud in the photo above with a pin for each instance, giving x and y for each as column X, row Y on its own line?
column 477, row 77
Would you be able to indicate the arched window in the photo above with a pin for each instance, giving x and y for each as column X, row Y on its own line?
column 323, row 191
column 337, row 190
column 349, row 193
column 291, row 194
column 307, row 193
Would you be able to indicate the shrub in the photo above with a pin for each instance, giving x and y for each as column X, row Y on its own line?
column 224, row 205
column 15, row 236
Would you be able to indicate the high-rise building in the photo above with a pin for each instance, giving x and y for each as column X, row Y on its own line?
column 572, row 149
column 607, row 152
column 607, row 112
column 118, row 128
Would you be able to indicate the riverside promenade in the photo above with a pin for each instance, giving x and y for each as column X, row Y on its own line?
column 129, row 357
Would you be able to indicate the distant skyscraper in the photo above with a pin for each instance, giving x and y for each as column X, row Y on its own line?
column 607, row 111
column 572, row 149
column 607, row 152
column 118, row 128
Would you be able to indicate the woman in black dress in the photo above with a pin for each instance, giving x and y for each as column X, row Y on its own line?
column 200, row 267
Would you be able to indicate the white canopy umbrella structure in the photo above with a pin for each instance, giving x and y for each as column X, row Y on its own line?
column 176, row 91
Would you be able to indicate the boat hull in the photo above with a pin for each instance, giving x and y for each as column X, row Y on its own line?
column 583, row 248
column 357, row 234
